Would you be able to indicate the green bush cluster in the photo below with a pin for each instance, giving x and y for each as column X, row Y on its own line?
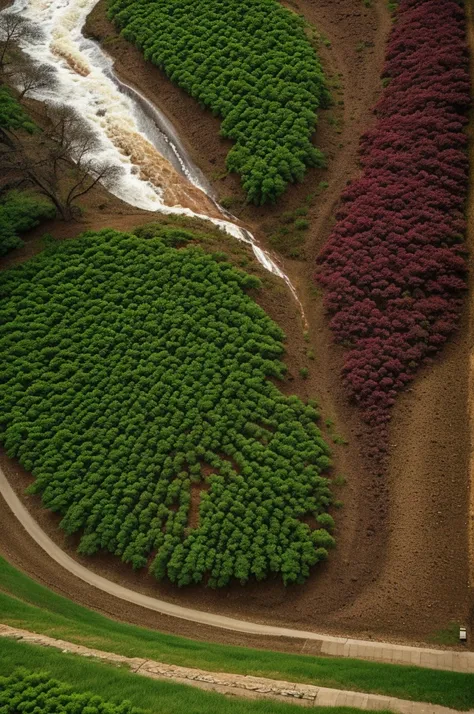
column 19, row 212
column 12, row 114
column 133, row 370
column 37, row 693
column 251, row 63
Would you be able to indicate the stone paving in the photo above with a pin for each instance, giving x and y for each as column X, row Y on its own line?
column 456, row 661
column 238, row 684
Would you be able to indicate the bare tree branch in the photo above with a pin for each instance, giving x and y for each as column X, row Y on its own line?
column 93, row 172
column 72, row 136
column 66, row 167
column 14, row 29
column 28, row 77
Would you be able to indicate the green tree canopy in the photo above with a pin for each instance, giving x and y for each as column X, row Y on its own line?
column 251, row 63
column 135, row 374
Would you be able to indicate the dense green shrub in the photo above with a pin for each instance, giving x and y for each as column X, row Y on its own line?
column 172, row 237
column 36, row 692
column 12, row 114
column 8, row 237
column 251, row 63
column 133, row 370
column 19, row 212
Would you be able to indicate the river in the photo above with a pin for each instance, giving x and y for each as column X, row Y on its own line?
column 157, row 173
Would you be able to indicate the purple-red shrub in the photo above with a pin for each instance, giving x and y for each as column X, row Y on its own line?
column 394, row 268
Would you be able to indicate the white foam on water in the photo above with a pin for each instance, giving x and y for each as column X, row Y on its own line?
column 85, row 81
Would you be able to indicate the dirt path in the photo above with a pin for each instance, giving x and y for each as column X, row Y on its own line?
column 470, row 224
column 336, row 646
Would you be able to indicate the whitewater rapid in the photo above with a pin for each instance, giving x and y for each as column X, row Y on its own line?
column 133, row 133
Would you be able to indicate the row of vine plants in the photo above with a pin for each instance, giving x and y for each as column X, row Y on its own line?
column 394, row 268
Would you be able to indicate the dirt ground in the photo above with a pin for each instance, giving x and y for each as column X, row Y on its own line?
column 400, row 567
column 470, row 224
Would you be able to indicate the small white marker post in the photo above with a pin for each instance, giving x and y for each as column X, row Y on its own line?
column 463, row 634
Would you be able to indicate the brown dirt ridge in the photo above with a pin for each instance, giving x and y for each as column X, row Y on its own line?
column 400, row 567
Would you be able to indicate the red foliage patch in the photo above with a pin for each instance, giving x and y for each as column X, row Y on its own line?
column 394, row 267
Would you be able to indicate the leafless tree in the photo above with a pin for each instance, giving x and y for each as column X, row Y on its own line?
column 71, row 134
column 65, row 168
column 28, row 77
column 14, row 29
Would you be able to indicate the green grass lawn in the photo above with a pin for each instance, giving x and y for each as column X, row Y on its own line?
column 34, row 607
column 116, row 684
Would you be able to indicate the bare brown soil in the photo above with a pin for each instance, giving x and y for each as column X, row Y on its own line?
column 470, row 228
column 400, row 567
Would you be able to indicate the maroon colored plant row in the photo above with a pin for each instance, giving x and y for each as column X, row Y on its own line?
column 394, row 266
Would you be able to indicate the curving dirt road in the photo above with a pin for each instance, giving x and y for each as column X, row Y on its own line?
column 338, row 646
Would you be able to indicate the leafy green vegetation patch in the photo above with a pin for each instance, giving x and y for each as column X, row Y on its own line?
column 12, row 114
column 251, row 63
column 19, row 210
column 135, row 389
column 26, row 691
